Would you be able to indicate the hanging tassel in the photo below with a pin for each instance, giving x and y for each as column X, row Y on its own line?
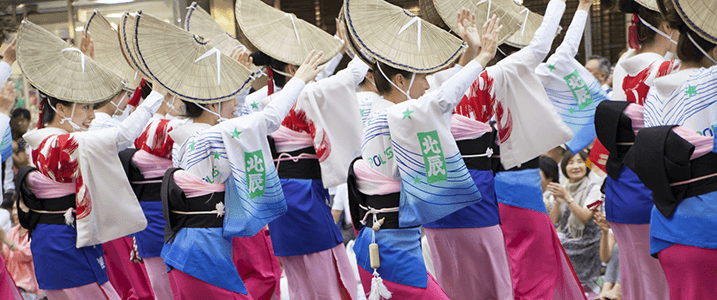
column 633, row 37
column 378, row 289
column 134, row 101
column 69, row 218
column 134, row 252
column 41, row 108
column 270, row 81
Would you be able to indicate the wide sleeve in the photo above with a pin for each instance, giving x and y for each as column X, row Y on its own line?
column 330, row 67
column 5, row 72
column 452, row 91
column 571, row 42
column 132, row 126
column 542, row 40
column 593, row 195
column 279, row 107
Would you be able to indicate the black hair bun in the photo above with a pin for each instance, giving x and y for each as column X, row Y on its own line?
column 629, row 6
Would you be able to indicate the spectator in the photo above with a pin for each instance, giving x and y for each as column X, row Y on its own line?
column 609, row 253
column 579, row 235
column 18, row 260
column 548, row 173
column 600, row 68
column 19, row 122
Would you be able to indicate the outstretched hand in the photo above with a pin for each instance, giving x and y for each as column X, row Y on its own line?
column 467, row 30
column 87, row 45
column 341, row 34
column 585, row 4
column 7, row 97
column 489, row 40
column 242, row 56
column 310, row 68
column 10, row 55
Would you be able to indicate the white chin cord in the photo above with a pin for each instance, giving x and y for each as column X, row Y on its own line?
column 413, row 76
column 171, row 105
column 700, row 48
column 119, row 111
column 669, row 37
column 75, row 127
column 221, row 119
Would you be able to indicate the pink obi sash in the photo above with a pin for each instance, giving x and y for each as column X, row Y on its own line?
column 150, row 165
column 194, row 186
column 371, row 182
column 464, row 128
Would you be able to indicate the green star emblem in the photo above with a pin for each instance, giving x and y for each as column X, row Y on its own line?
column 217, row 155
column 572, row 110
column 254, row 105
column 407, row 114
column 192, row 146
column 691, row 91
column 551, row 67
column 416, row 180
column 361, row 111
column 236, row 133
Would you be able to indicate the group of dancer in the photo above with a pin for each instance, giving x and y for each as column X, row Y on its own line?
column 208, row 191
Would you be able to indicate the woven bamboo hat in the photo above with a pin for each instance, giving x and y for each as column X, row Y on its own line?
column 351, row 48
column 649, row 4
column 60, row 71
column 185, row 64
column 399, row 39
column 430, row 13
column 529, row 22
column 700, row 16
column 201, row 23
column 483, row 10
column 126, row 31
column 108, row 52
column 283, row 36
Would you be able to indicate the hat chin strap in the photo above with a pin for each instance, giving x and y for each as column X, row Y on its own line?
column 658, row 31
column 171, row 105
column 75, row 127
column 221, row 119
column 117, row 106
column 700, row 48
column 413, row 77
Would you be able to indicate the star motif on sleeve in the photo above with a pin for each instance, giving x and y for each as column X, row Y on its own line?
column 217, row 155
column 361, row 111
column 192, row 146
column 255, row 105
column 691, row 91
column 407, row 114
column 236, row 134
column 551, row 67
column 572, row 110
column 417, row 180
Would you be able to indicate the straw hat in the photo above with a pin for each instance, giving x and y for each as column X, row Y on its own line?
column 185, row 64
column 429, row 12
column 125, row 31
column 649, row 4
column 399, row 39
column 351, row 44
column 283, row 36
column 528, row 23
column 107, row 50
column 60, row 71
column 449, row 8
column 199, row 22
column 700, row 17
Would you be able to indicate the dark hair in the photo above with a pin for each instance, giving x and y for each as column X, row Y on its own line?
column 20, row 112
column 47, row 114
column 504, row 51
column 686, row 50
column 261, row 59
column 192, row 110
column 654, row 18
column 566, row 159
column 549, row 168
column 382, row 84
column 603, row 64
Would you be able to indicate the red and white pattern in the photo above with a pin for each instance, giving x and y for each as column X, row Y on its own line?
column 155, row 138
column 479, row 103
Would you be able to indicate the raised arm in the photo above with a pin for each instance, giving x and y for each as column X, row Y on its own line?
column 543, row 38
column 132, row 126
column 571, row 42
column 7, row 60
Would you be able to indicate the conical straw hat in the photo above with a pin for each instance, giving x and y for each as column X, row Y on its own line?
column 649, row 4
column 351, row 44
column 528, row 25
column 283, row 36
column 399, row 39
column 107, row 49
column 429, row 12
column 201, row 23
column 126, row 32
column 700, row 16
column 185, row 64
column 60, row 71
column 448, row 9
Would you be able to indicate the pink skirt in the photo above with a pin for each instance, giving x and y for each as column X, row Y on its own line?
column 129, row 279
column 92, row 291
column 483, row 249
column 321, row 275
column 641, row 275
column 539, row 266
column 399, row 291
column 8, row 289
column 691, row 271
column 157, row 272
column 186, row 287
column 258, row 267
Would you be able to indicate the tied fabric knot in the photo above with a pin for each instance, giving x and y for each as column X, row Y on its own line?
column 214, row 51
column 416, row 20
column 220, row 209
column 287, row 156
column 69, row 217
column 378, row 288
column 296, row 31
column 82, row 56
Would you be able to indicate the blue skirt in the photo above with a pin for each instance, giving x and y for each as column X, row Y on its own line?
column 627, row 200
column 59, row 264
column 206, row 255
column 151, row 240
column 307, row 227
column 400, row 255
column 520, row 189
column 482, row 214
column 692, row 224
